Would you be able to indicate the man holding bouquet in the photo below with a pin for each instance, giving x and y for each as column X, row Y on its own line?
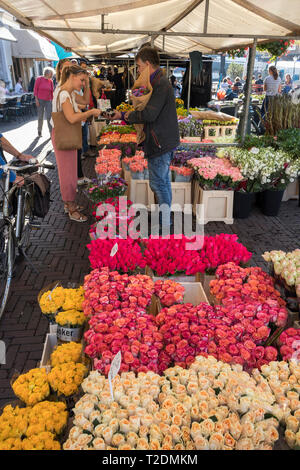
column 160, row 134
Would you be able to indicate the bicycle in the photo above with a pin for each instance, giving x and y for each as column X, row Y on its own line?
column 16, row 221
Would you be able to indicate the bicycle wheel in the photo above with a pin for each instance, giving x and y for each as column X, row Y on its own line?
column 7, row 257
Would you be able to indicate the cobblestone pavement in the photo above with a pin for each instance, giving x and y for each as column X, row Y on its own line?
column 58, row 251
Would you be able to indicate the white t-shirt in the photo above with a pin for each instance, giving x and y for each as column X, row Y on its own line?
column 272, row 85
column 63, row 96
column 18, row 88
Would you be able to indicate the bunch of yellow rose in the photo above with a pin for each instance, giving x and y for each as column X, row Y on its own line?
column 69, row 352
column 32, row 386
column 60, row 298
column 13, row 423
column 52, row 300
column 47, row 416
column 73, row 299
column 70, row 318
column 65, row 379
column 28, row 428
column 42, row 441
column 125, row 107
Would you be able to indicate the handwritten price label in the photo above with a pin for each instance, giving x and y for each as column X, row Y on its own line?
column 114, row 249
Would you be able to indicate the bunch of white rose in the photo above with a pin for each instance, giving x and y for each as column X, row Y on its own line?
column 287, row 266
column 211, row 405
column 284, row 380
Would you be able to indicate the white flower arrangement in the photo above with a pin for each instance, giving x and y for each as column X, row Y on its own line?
column 287, row 266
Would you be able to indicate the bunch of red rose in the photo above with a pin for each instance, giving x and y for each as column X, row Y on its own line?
column 246, row 285
column 116, row 220
column 124, row 255
column 169, row 292
column 128, row 330
column 168, row 256
column 289, row 342
column 106, row 290
column 221, row 249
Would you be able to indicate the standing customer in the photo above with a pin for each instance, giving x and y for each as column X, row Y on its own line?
column 161, row 129
column 288, row 84
column 72, row 79
column 43, row 92
column 272, row 87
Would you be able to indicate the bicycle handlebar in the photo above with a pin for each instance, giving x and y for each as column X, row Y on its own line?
column 32, row 163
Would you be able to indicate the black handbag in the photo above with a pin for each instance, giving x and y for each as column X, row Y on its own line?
column 41, row 195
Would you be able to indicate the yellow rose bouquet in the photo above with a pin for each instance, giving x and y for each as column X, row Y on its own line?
column 51, row 302
column 13, row 424
column 11, row 444
column 69, row 352
column 42, row 441
column 32, row 387
column 73, row 299
column 70, row 318
column 65, row 379
column 47, row 416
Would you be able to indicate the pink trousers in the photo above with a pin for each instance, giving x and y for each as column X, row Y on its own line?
column 66, row 161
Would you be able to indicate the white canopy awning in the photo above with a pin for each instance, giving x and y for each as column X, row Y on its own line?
column 6, row 34
column 31, row 45
column 93, row 27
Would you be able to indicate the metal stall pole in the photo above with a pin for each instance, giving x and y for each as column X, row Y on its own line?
column 250, row 68
column 167, row 69
column 189, row 85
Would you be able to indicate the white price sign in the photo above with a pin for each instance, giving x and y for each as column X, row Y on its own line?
column 114, row 249
column 114, row 369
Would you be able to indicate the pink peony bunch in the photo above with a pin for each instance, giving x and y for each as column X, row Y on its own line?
column 169, row 292
column 127, row 258
column 289, row 342
column 130, row 331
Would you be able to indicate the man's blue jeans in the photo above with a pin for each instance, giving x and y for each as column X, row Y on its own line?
column 160, row 184
column 85, row 145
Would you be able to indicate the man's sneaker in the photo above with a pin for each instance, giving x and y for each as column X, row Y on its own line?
column 83, row 181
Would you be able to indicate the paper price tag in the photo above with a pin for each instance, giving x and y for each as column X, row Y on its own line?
column 50, row 296
column 114, row 369
column 114, row 249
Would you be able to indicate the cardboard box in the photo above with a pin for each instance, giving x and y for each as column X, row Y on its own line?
column 49, row 346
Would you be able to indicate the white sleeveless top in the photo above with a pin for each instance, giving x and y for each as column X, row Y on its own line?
column 63, row 96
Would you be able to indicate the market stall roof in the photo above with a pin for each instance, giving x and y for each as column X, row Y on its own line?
column 6, row 34
column 31, row 45
column 175, row 26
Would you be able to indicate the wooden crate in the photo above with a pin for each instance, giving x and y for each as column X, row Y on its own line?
column 218, row 205
column 194, row 294
column 181, row 194
column 205, row 280
column 140, row 193
column 219, row 131
column 292, row 191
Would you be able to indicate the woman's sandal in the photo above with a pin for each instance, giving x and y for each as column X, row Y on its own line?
column 78, row 208
column 81, row 218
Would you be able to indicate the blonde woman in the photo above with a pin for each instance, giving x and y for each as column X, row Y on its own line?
column 73, row 78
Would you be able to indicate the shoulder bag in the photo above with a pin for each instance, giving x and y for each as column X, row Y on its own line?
column 67, row 136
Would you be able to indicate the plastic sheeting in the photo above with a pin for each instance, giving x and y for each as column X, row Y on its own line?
column 31, row 45
column 226, row 17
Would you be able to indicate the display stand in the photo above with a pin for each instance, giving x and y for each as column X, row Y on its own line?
column 218, row 205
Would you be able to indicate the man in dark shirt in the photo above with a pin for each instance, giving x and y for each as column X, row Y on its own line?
column 161, row 130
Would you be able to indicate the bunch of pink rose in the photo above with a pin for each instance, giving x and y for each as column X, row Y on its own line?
column 236, row 285
column 189, row 331
column 221, row 249
column 168, row 256
column 106, row 290
column 127, row 258
column 169, row 292
column 289, row 342
column 130, row 331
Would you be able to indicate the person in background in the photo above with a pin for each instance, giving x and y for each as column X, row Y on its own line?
column 66, row 100
column 288, row 84
column 43, row 92
column 31, row 84
column 237, row 85
column 109, row 75
column 224, row 84
column 176, row 88
column 259, row 84
column 3, row 92
column 118, row 83
column 19, row 87
column 161, row 130
column 6, row 146
column 229, row 81
column 272, row 87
